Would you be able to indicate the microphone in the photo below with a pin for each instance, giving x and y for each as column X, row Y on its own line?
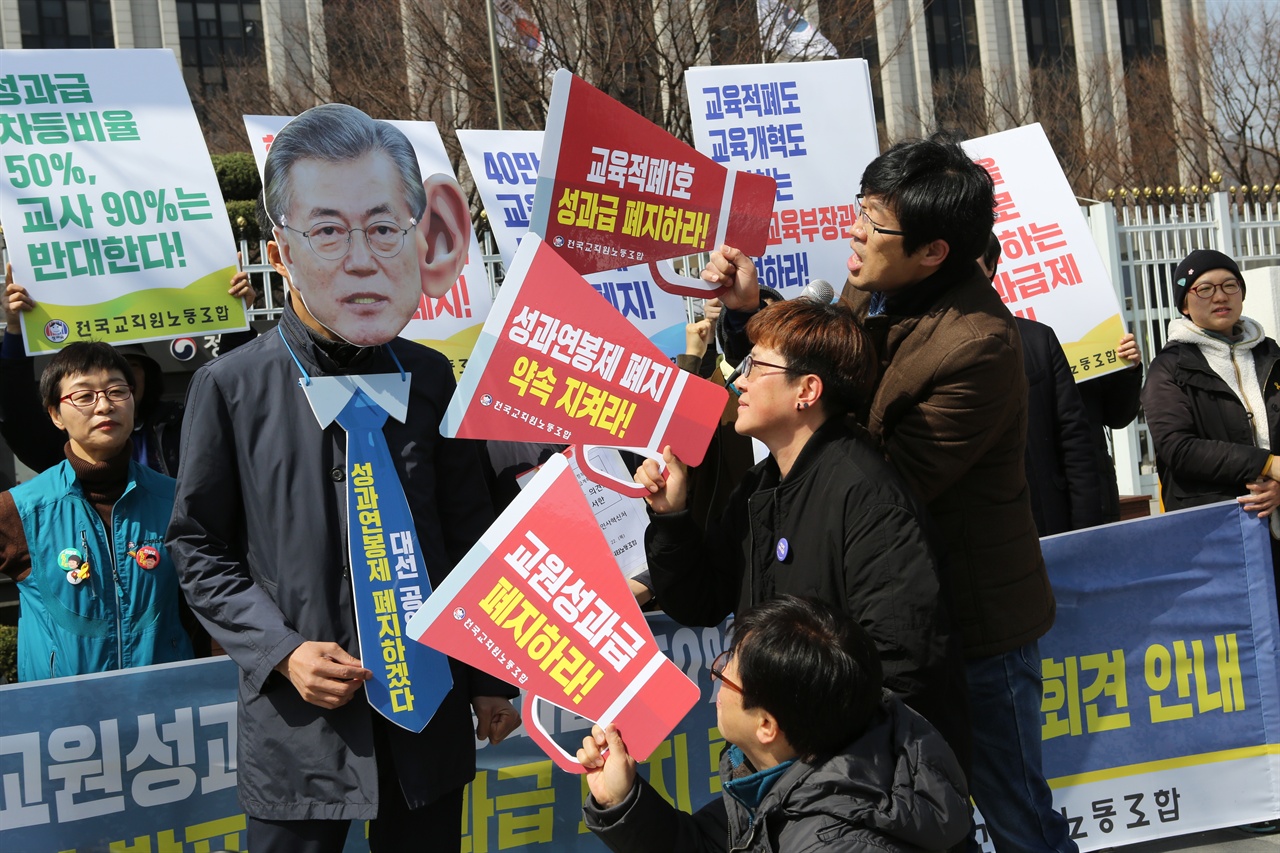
column 734, row 377
column 818, row 290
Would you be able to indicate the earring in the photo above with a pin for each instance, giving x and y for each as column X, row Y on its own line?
column 802, row 406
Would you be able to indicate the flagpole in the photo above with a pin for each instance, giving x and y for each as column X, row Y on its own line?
column 493, row 57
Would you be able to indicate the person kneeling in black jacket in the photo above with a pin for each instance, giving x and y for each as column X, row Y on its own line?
column 819, row 755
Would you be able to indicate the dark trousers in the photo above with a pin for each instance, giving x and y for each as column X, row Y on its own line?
column 433, row 828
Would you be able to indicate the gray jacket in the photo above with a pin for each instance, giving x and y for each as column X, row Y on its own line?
column 259, row 538
column 896, row 788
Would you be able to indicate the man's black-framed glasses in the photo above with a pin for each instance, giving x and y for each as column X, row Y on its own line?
column 875, row 227
column 717, row 670
column 1205, row 291
column 87, row 398
column 750, row 363
column 332, row 240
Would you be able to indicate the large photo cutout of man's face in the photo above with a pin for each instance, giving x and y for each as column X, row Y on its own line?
column 345, row 196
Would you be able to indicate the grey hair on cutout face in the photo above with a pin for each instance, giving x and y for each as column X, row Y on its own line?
column 337, row 133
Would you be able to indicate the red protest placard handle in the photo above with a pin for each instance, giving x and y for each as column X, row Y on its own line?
column 630, row 488
column 533, row 725
column 665, row 276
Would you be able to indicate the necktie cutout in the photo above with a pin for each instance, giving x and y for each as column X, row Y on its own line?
column 388, row 579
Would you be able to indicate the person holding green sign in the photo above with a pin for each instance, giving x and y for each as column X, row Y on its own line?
column 37, row 443
column 85, row 540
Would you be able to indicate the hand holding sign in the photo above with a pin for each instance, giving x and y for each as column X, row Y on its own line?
column 614, row 189
column 734, row 275
column 666, row 486
column 540, row 603
column 610, row 769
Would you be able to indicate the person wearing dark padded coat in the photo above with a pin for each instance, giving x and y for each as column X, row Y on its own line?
column 818, row 757
column 1061, row 468
column 823, row 516
column 1212, row 397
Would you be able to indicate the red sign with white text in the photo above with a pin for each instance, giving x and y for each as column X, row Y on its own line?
column 539, row 602
column 614, row 189
column 556, row 362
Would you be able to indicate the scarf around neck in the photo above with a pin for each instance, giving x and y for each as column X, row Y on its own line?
column 1233, row 363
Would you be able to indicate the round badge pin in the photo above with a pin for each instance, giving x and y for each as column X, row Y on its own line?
column 784, row 548
column 56, row 331
column 70, row 559
column 147, row 557
column 74, row 578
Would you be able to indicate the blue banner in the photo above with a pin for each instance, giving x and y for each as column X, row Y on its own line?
column 144, row 760
column 1160, row 711
column 104, row 759
column 1159, row 718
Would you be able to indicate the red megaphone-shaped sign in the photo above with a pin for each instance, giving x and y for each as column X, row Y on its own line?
column 555, row 362
column 539, row 602
column 614, row 189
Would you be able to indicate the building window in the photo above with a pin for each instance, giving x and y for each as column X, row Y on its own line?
column 217, row 34
column 52, row 24
column 1141, row 29
column 1050, row 40
column 958, row 97
column 953, row 37
column 1055, row 87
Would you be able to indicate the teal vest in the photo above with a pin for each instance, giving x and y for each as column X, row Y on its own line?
column 122, row 615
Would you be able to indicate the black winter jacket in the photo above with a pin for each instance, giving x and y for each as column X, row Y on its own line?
column 1062, row 471
column 1205, row 449
column 896, row 788
column 855, row 537
column 1110, row 401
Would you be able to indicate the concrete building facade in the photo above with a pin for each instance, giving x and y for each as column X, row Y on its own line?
column 921, row 46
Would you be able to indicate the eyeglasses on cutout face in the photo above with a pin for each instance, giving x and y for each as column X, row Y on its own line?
column 717, row 671
column 875, row 228
column 332, row 240
column 1205, row 291
column 87, row 398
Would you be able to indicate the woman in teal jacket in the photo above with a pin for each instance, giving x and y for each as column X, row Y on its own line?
column 85, row 539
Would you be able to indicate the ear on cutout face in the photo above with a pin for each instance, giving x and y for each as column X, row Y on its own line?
column 444, row 235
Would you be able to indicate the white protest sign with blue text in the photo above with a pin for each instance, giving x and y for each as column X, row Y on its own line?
column 809, row 125
column 112, row 212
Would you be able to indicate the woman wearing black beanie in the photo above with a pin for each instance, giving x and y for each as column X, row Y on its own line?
column 1212, row 397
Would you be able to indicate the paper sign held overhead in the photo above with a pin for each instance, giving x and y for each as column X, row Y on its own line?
column 614, row 190
column 1050, row 268
column 540, row 603
column 556, row 362
column 812, row 127
column 113, row 216
column 504, row 166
